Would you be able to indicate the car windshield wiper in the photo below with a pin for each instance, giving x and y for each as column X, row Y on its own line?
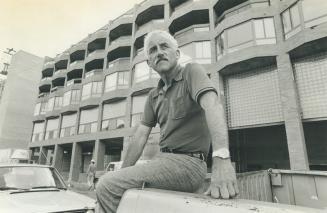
column 8, row 188
column 47, row 187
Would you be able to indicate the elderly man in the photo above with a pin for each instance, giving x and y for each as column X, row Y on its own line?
column 191, row 115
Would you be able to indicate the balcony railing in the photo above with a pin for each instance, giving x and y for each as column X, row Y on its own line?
column 46, row 79
column 93, row 72
column 43, row 94
column 56, row 88
column 153, row 22
column 116, row 61
column 74, row 81
column 88, row 127
column 120, row 39
column 67, row 131
column 113, row 123
column 59, row 72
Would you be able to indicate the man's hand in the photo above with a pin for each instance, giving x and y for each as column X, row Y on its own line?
column 223, row 179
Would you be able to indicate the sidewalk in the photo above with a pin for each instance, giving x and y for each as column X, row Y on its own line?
column 82, row 188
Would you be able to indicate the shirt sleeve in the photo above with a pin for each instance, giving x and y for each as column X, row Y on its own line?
column 148, row 118
column 198, row 81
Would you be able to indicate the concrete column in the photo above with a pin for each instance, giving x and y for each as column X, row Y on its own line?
column 75, row 163
column 292, row 114
column 98, row 154
column 57, row 157
column 43, row 155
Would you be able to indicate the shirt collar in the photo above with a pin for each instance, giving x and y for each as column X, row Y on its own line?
column 178, row 77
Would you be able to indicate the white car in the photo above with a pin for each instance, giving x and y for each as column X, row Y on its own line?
column 38, row 189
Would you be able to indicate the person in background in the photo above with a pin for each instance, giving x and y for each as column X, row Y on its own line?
column 191, row 115
column 91, row 175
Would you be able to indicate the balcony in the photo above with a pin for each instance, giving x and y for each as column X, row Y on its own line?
column 43, row 95
column 227, row 8
column 56, row 88
column 113, row 123
column 118, row 64
column 193, row 33
column 121, row 28
column 76, row 65
column 155, row 24
column 122, row 41
column 45, row 81
column 188, row 18
column 94, row 55
column 74, row 81
column 49, row 64
column 60, row 73
column 96, row 72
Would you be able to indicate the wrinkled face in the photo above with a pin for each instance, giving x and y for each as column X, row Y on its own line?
column 162, row 56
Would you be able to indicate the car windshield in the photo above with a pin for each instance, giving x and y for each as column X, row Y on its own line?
column 29, row 178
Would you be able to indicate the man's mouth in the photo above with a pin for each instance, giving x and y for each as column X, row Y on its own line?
column 161, row 59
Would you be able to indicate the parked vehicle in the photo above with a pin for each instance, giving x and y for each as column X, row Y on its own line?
column 114, row 166
column 38, row 189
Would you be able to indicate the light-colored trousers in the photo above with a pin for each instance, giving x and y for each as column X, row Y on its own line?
column 169, row 171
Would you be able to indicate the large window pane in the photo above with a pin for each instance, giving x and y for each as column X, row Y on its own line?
column 50, row 104
column 269, row 27
column 295, row 16
column 286, row 21
column 96, row 89
column 114, row 110
column 314, row 9
column 52, row 128
column 37, row 109
column 123, row 79
column 111, row 82
column 240, row 34
column 69, row 120
column 138, row 103
column 141, row 72
column 67, row 97
column 259, row 28
column 58, row 102
column 86, row 92
column 88, row 116
column 38, row 131
column 75, row 96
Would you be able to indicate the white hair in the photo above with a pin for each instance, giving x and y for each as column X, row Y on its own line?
column 162, row 33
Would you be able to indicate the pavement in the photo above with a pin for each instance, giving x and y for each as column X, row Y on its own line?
column 82, row 188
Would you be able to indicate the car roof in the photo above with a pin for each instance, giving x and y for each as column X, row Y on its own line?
column 23, row 165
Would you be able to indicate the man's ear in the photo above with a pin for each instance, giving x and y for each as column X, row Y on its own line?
column 178, row 54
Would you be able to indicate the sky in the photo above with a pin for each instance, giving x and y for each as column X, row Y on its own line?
column 48, row 27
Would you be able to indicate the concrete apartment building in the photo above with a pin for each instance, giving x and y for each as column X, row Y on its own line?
column 268, row 59
column 18, row 100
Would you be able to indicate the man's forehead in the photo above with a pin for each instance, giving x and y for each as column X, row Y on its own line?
column 158, row 39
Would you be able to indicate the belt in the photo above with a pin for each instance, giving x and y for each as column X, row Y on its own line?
column 199, row 155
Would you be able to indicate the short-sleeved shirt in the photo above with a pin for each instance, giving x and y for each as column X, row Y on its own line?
column 182, row 121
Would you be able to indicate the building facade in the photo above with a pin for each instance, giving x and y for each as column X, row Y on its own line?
column 18, row 100
column 267, row 58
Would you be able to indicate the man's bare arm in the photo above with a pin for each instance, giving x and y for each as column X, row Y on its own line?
column 223, row 177
column 136, row 146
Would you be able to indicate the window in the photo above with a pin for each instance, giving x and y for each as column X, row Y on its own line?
column 75, row 96
column 50, row 104
column 52, row 129
column 291, row 21
column 93, row 89
column 68, row 125
column 234, row 38
column 88, row 121
column 220, row 42
column 113, row 115
column 67, row 97
column 43, row 108
column 264, row 30
column 314, row 12
column 58, row 102
column 138, row 108
column 37, row 109
column 141, row 72
column 86, row 92
column 199, row 52
column 254, row 32
column 123, row 80
column 111, row 82
column 38, row 131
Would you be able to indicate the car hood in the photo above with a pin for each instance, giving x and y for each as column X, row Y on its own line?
column 43, row 201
